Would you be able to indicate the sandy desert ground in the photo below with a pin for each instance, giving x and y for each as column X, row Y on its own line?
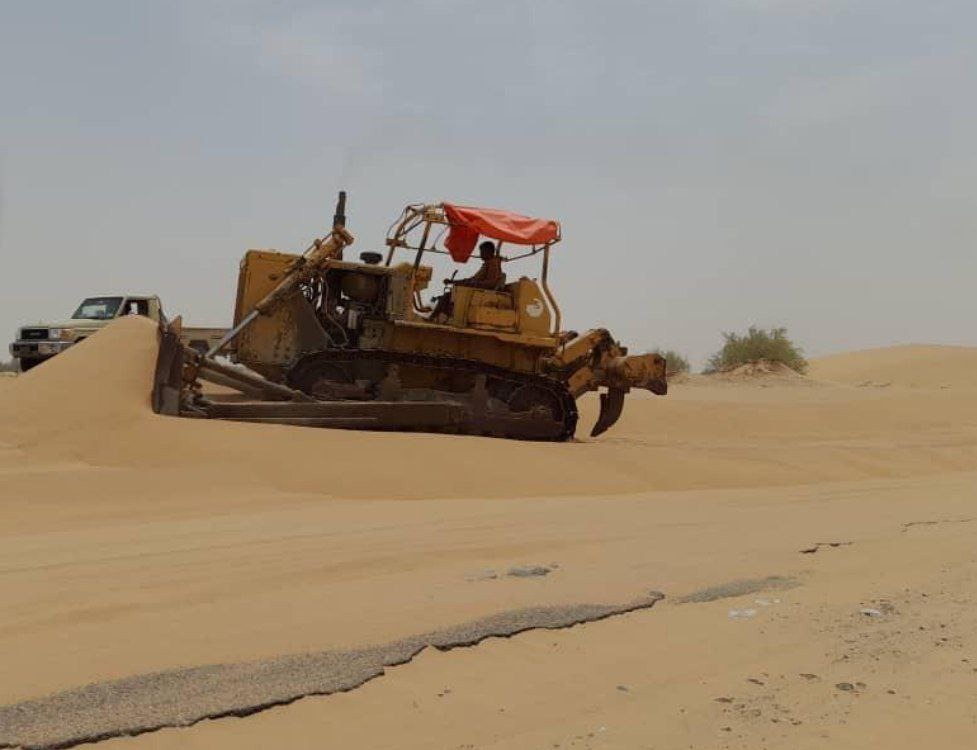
column 814, row 540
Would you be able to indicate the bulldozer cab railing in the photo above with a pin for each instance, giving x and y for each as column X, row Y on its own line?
column 412, row 232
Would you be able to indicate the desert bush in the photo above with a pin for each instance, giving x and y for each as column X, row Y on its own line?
column 675, row 362
column 757, row 344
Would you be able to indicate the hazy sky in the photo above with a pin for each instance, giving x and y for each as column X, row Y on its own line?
column 715, row 163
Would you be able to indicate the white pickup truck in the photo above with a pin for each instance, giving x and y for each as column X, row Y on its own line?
column 37, row 343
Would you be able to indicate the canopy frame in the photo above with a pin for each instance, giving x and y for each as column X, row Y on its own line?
column 425, row 216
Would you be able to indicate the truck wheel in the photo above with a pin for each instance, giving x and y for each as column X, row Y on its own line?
column 29, row 364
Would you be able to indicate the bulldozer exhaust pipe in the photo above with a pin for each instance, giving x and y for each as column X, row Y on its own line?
column 339, row 218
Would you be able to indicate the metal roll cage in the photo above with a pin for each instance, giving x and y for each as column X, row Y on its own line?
column 427, row 215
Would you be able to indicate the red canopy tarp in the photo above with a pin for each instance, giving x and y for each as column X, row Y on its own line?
column 467, row 223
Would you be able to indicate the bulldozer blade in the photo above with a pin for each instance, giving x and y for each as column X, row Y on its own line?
column 168, row 378
column 611, row 406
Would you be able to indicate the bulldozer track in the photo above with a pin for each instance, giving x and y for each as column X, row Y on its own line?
column 502, row 385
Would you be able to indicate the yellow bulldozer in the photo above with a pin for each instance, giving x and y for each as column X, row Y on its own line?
column 323, row 340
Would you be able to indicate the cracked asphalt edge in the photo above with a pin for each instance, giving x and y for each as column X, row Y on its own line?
column 182, row 697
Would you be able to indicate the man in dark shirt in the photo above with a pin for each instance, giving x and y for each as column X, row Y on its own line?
column 490, row 275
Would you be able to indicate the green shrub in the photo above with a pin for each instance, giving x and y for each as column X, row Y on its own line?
column 675, row 362
column 757, row 344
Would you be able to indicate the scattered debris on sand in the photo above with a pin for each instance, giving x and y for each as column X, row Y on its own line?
column 819, row 545
column 529, row 571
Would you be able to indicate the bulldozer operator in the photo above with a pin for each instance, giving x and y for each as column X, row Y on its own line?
column 489, row 276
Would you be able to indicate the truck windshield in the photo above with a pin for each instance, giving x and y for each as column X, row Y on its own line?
column 98, row 308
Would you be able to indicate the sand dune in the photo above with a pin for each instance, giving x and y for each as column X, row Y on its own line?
column 914, row 366
column 91, row 406
column 132, row 543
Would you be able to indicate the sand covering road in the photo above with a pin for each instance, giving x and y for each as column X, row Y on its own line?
column 131, row 543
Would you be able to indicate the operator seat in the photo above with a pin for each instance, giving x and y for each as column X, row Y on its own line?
column 498, row 287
